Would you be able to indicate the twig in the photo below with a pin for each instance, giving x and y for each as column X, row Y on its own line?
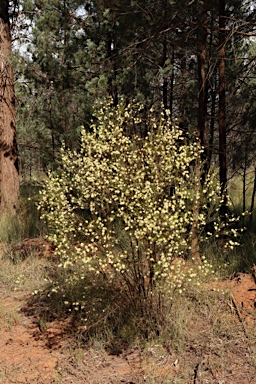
column 239, row 315
column 196, row 373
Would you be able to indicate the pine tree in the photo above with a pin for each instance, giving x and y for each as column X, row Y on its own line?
column 161, row 53
column 54, row 78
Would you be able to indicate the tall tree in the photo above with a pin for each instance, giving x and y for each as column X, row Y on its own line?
column 9, row 179
column 222, row 102
column 190, row 56
column 53, row 77
column 202, row 94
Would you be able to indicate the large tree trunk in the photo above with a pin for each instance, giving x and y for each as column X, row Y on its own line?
column 9, row 180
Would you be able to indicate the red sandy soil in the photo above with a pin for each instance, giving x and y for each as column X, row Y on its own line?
column 30, row 354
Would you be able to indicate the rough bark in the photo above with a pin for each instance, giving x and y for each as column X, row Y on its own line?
column 9, row 180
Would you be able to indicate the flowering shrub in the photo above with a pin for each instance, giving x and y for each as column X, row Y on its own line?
column 122, row 207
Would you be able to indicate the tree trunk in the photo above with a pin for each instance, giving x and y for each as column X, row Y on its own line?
column 172, row 85
column 212, row 122
column 244, row 187
column 222, row 107
column 201, row 119
column 211, row 91
column 165, row 79
column 202, row 99
column 195, row 251
column 9, row 178
column 253, row 196
column 112, row 56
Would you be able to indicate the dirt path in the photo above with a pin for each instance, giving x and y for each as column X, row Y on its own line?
column 23, row 359
column 31, row 355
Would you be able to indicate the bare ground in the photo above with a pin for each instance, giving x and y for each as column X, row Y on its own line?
column 219, row 348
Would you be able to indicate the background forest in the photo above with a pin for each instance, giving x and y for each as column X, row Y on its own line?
column 162, row 64
column 195, row 59
column 136, row 134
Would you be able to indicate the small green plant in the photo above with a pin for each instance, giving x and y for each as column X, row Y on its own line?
column 122, row 209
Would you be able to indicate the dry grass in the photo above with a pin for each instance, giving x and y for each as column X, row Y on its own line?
column 27, row 276
column 202, row 339
column 199, row 337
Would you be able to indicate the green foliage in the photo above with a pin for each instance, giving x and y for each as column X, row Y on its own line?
column 51, row 74
column 122, row 209
column 76, row 52
column 242, row 258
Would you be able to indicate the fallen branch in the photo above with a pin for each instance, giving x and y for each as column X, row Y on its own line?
column 196, row 373
column 239, row 315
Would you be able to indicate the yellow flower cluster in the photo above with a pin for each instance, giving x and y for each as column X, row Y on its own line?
column 123, row 204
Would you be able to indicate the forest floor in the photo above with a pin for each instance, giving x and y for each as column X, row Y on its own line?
column 219, row 346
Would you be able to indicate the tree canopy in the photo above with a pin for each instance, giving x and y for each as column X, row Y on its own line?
column 195, row 59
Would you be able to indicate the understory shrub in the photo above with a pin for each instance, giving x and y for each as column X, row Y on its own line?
column 122, row 209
